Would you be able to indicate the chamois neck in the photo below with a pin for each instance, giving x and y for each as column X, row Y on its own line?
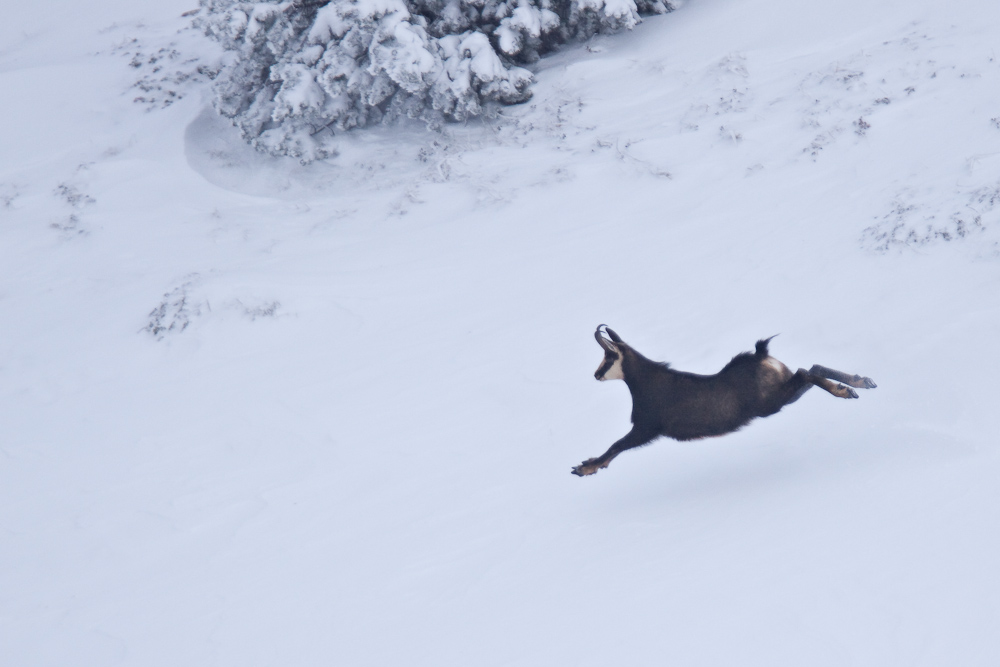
column 636, row 367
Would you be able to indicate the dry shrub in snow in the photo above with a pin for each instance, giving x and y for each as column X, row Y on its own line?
column 302, row 70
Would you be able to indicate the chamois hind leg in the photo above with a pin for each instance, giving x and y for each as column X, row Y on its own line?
column 837, row 390
column 634, row 438
column 789, row 391
column 858, row 381
column 799, row 383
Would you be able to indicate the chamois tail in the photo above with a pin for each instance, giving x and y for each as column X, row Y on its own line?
column 762, row 346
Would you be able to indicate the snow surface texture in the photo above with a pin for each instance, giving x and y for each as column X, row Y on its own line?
column 256, row 413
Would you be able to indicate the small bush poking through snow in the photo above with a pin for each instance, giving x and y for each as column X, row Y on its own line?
column 912, row 223
column 301, row 70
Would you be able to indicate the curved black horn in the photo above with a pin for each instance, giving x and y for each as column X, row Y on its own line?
column 602, row 341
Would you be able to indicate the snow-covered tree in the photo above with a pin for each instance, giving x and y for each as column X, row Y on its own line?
column 301, row 70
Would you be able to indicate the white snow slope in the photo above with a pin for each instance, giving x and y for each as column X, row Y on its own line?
column 254, row 413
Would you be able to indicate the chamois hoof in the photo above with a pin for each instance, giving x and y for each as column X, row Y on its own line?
column 847, row 392
column 588, row 467
column 861, row 382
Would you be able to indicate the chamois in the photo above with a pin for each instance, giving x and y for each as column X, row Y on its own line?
column 686, row 406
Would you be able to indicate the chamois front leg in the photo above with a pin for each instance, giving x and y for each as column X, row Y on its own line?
column 634, row 438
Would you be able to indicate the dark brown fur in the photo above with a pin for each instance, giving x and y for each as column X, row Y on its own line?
column 687, row 406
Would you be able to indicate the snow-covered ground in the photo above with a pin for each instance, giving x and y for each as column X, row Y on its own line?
column 255, row 413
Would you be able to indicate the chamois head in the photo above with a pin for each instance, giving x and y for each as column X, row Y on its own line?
column 611, row 365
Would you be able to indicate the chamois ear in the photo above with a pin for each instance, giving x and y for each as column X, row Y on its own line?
column 611, row 332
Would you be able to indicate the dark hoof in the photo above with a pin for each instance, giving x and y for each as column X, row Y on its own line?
column 861, row 382
column 850, row 393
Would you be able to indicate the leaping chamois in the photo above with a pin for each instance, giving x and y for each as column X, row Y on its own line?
column 686, row 406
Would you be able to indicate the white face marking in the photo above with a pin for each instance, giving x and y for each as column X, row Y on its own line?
column 615, row 372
